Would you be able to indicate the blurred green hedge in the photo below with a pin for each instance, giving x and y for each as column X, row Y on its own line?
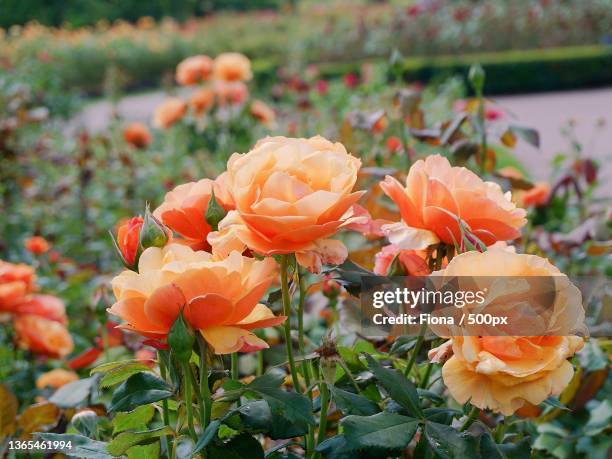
column 86, row 12
column 511, row 72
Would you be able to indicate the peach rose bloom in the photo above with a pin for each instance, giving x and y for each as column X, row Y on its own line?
column 128, row 238
column 231, row 92
column 47, row 306
column 169, row 112
column 37, row 245
column 137, row 135
column 184, row 209
column 413, row 261
column 218, row 298
column 290, row 195
column 503, row 372
column 193, row 70
column 232, row 67
column 263, row 113
column 202, row 100
column 42, row 336
column 534, row 197
column 437, row 196
column 56, row 378
column 16, row 281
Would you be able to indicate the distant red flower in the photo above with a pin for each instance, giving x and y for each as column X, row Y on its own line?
column 351, row 80
column 137, row 135
column 37, row 245
column 322, row 87
column 393, row 144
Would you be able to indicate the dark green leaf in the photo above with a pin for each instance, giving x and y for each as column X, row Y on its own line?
column 397, row 386
column 383, row 430
column 139, row 389
column 554, row 402
column 80, row 446
column 448, row 443
column 490, row 450
column 239, row 447
column 350, row 403
column 206, row 436
column 403, row 344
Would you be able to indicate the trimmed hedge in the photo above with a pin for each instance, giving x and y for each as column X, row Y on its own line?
column 511, row 72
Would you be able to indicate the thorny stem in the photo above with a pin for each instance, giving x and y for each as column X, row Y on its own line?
column 204, row 389
column 310, row 440
column 189, row 400
column 287, row 313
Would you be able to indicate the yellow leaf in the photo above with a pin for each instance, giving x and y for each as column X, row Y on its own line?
column 508, row 139
column 8, row 411
column 38, row 418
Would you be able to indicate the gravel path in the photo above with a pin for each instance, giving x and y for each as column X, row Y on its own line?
column 547, row 112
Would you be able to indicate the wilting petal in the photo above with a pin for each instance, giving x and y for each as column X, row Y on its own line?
column 324, row 251
column 408, row 238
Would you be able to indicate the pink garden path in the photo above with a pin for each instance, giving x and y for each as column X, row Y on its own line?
column 547, row 112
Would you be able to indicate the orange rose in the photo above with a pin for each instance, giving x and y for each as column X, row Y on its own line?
column 169, row 112
column 218, row 298
column 263, row 113
column 232, row 93
column 137, row 135
column 503, row 372
column 202, row 100
column 42, row 336
column 438, row 196
column 184, row 209
column 16, row 281
column 232, row 67
column 47, row 306
column 290, row 195
column 56, row 378
column 193, row 70
column 37, row 245
column 534, row 197
column 128, row 238
column 412, row 261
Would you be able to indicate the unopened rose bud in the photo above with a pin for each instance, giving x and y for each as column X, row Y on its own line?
column 476, row 77
column 152, row 233
column 85, row 422
column 396, row 268
column 181, row 340
column 214, row 213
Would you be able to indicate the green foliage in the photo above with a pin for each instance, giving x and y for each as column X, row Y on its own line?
column 511, row 72
column 139, row 389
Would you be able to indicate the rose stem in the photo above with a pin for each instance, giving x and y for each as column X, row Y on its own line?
column 470, row 419
column 165, row 411
column 188, row 400
column 204, row 389
column 287, row 313
column 305, row 363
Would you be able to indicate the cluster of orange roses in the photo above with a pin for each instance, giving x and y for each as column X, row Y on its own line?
column 290, row 196
column 39, row 320
column 226, row 76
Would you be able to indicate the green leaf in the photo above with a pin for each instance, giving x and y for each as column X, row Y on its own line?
column 403, row 344
column 350, row 403
column 206, row 436
column 150, row 451
column 286, row 407
column 528, row 134
column 73, row 394
column 106, row 367
column 133, row 420
column 448, row 443
column 490, row 450
column 336, row 448
column 600, row 419
column 124, row 441
column 139, row 389
column 387, row 431
column 80, row 446
column 239, row 447
column 119, row 374
column 397, row 386
column 554, row 402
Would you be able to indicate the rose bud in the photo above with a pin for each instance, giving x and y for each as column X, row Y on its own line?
column 152, row 233
column 127, row 241
column 214, row 212
column 181, row 340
